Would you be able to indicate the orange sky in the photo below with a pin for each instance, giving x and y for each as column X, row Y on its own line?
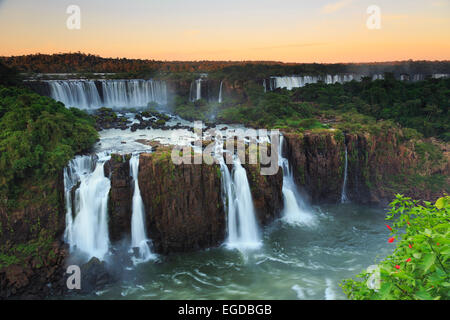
column 281, row 30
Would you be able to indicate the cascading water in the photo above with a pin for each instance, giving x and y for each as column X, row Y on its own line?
column 87, row 230
column 196, row 90
column 295, row 209
column 243, row 230
column 138, row 232
column 220, row 92
column 344, row 197
column 85, row 94
column 291, row 82
column 76, row 93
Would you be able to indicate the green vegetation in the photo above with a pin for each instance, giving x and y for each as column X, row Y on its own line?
column 87, row 64
column 419, row 267
column 423, row 106
column 38, row 136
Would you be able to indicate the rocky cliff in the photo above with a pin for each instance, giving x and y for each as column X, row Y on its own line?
column 120, row 196
column 184, row 208
column 379, row 165
column 32, row 254
column 266, row 192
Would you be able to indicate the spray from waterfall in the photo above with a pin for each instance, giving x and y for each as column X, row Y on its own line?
column 87, row 230
column 138, row 233
column 243, row 230
column 295, row 209
column 344, row 197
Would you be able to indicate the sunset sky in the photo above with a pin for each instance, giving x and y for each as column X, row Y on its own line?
column 281, row 30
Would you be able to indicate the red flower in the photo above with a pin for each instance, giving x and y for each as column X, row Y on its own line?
column 391, row 240
column 410, row 246
column 409, row 223
column 389, row 227
column 408, row 260
column 397, row 267
column 437, row 244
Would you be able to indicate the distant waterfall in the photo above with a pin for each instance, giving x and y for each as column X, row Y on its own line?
column 344, row 197
column 76, row 93
column 87, row 94
column 291, row 82
column 196, row 90
column 243, row 230
column 87, row 229
column 133, row 93
column 295, row 209
column 138, row 232
column 220, row 92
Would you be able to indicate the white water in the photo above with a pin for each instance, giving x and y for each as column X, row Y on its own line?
column 243, row 230
column 76, row 93
column 138, row 232
column 133, row 93
column 297, row 81
column 220, row 92
column 290, row 82
column 87, row 230
column 344, row 197
column 196, row 90
column 84, row 94
column 295, row 209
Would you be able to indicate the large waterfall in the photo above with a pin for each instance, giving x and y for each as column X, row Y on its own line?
column 88, row 94
column 138, row 232
column 243, row 230
column 295, row 209
column 87, row 214
column 76, row 93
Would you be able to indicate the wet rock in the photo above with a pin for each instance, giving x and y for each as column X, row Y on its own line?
column 120, row 197
column 94, row 276
column 184, row 208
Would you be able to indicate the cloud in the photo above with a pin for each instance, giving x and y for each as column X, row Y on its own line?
column 335, row 6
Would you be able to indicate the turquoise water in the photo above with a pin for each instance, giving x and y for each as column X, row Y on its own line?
column 295, row 262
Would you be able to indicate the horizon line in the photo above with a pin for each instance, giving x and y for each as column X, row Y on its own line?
column 229, row 61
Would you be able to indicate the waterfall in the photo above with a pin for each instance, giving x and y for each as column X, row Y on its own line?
column 85, row 94
column 87, row 230
column 81, row 94
column 138, row 232
column 196, row 90
column 242, row 226
column 291, row 82
column 133, row 93
column 344, row 197
column 295, row 209
column 220, row 92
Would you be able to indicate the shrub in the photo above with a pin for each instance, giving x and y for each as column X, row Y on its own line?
column 419, row 267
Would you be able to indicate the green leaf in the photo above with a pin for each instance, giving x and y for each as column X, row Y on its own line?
column 440, row 203
column 428, row 261
column 423, row 295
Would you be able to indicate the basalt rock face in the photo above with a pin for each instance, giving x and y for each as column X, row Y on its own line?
column 184, row 208
column 379, row 166
column 266, row 192
column 120, row 197
column 317, row 163
column 385, row 164
column 33, row 256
